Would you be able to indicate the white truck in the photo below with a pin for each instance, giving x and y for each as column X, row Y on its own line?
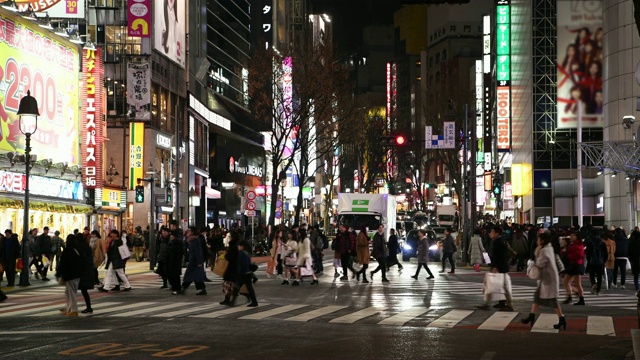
column 371, row 210
column 447, row 215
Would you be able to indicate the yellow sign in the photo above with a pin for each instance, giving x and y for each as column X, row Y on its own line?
column 112, row 199
column 34, row 59
column 136, row 160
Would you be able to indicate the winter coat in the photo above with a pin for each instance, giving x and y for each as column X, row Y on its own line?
column 622, row 245
column 475, row 250
column 71, row 264
column 9, row 250
column 195, row 263
column 99, row 253
column 88, row 278
column 549, row 280
column 634, row 248
column 43, row 245
column 346, row 242
column 113, row 255
column 304, row 251
column 501, row 255
column 162, row 248
column 575, row 253
column 379, row 247
column 232, row 262
column 519, row 244
column 611, row 250
column 423, row 250
column 393, row 246
column 362, row 248
column 175, row 253
column 447, row 245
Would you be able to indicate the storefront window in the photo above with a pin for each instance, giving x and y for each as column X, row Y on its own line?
column 115, row 97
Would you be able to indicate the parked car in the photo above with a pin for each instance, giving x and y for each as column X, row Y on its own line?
column 439, row 230
column 410, row 245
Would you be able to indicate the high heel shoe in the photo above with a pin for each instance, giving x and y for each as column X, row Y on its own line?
column 580, row 302
column 529, row 319
column 568, row 300
column 562, row 323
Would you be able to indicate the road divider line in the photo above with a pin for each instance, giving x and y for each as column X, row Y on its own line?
column 310, row 315
column 403, row 317
column 279, row 310
column 498, row 321
column 450, row 319
column 358, row 315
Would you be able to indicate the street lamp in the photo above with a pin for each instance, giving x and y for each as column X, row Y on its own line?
column 28, row 113
column 151, row 172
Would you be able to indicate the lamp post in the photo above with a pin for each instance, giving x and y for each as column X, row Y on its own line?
column 152, row 218
column 27, row 111
column 242, row 169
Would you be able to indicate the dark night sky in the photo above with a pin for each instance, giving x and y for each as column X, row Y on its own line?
column 350, row 16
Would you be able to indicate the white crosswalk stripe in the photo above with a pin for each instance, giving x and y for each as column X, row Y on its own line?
column 334, row 314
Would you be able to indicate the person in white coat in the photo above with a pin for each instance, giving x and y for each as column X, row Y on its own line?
column 290, row 256
column 547, row 291
column 476, row 249
column 305, row 261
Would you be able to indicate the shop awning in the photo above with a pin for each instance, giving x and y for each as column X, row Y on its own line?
column 37, row 203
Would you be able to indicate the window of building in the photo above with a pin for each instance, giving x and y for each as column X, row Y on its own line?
column 117, row 44
column 116, row 99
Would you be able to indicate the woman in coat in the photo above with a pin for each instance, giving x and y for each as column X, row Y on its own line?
column 87, row 280
column 231, row 273
column 362, row 253
column 607, row 236
column 476, row 249
column 423, row 254
column 98, row 248
column 291, row 254
column 70, row 271
column 195, row 263
column 547, row 291
column 173, row 265
column 575, row 269
column 276, row 252
column 304, row 259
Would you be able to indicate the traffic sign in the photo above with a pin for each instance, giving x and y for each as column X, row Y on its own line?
column 278, row 214
column 251, row 205
column 279, row 204
column 251, row 195
column 251, row 213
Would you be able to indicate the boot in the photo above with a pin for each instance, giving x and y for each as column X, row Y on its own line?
column 568, row 300
column 562, row 323
column 358, row 276
column 580, row 302
column 529, row 319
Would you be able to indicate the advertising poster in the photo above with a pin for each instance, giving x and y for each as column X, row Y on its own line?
column 92, row 138
column 139, row 91
column 136, row 154
column 70, row 9
column 139, row 18
column 579, row 63
column 169, row 29
column 34, row 59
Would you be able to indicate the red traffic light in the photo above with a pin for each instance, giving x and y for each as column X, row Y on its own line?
column 400, row 140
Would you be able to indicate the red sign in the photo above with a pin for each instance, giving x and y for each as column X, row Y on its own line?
column 139, row 18
column 504, row 118
column 251, row 196
column 92, row 119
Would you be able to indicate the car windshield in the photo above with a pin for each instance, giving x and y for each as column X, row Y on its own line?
column 357, row 221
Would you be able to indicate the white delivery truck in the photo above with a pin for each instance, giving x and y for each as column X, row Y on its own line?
column 371, row 210
column 447, row 215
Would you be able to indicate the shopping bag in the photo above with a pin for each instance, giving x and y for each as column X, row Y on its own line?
column 533, row 272
column 493, row 283
column 124, row 251
column 271, row 267
column 628, row 264
column 485, row 256
column 243, row 290
column 291, row 260
column 18, row 264
column 45, row 261
column 220, row 266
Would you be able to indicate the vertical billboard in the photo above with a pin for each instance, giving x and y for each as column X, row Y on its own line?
column 55, row 8
column 266, row 18
column 503, row 75
column 34, row 59
column 136, row 154
column 139, row 18
column 139, row 91
column 580, row 63
column 92, row 73
column 169, row 29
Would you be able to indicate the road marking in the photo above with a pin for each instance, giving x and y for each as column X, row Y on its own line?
column 18, row 332
column 265, row 314
column 187, row 311
column 20, row 306
column 358, row 315
column 28, row 311
column 63, row 306
column 450, row 319
column 151, row 309
column 128, row 306
column 310, row 315
column 600, row 325
column 498, row 321
column 545, row 323
column 403, row 317
column 225, row 311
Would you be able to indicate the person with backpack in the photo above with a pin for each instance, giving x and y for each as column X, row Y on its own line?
column 596, row 257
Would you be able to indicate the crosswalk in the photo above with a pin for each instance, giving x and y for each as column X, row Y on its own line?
column 339, row 315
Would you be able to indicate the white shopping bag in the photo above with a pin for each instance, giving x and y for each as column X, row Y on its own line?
column 487, row 259
column 494, row 283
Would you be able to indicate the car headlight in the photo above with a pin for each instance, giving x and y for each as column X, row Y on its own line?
column 406, row 246
column 433, row 247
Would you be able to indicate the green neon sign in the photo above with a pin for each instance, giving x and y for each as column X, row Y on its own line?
column 503, row 42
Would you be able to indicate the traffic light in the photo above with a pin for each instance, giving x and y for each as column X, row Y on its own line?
column 431, row 186
column 393, row 141
column 400, row 140
column 139, row 194
column 169, row 194
column 497, row 185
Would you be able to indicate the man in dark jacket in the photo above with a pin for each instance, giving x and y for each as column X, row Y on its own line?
column 161, row 255
column 346, row 247
column 448, row 249
column 500, row 257
column 394, row 249
column 10, row 248
column 195, row 263
column 245, row 275
column 622, row 249
column 597, row 255
column 114, row 264
column 43, row 245
column 379, row 252
column 173, row 266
